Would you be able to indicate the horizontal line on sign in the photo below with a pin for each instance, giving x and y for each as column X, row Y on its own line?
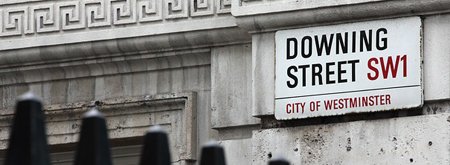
column 365, row 90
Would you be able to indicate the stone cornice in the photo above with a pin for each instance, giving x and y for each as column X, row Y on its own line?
column 257, row 7
column 9, row 2
column 36, row 19
column 263, row 15
column 33, row 32
column 105, row 66
column 121, row 48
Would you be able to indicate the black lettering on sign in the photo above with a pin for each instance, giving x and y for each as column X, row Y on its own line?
column 288, row 44
column 329, row 72
column 365, row 41
column 294, row 78
column 342, row 43
column 323, row 72
column 304, row 54
column 340, row 71
column 381, row 40
column 323, row 43
column 353, row 63
column 303, row 68
column 316, row 72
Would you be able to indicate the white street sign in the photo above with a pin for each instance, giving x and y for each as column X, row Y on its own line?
column 348, row 68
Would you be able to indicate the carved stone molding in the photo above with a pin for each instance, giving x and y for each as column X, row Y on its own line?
column 47, row 23
column 57, row 16
column 240, row 7
column 104, row 67
column 126, row 118
column 271, row 15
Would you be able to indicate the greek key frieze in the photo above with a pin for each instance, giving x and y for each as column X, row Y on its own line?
column 202, row 7
column 28, row 19
column 72, row 17
column 149, row 10
column 44, row 18
column 176, row 9
column 98, row 13
column 15, row 21
column 224, row 6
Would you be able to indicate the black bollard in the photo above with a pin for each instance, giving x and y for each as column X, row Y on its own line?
column 156, row 148
column 278, row 161
column 93, row 145
column 28, row 139
column 212, row 154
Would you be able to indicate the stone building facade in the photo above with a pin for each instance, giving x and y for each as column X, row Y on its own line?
column 204, row 69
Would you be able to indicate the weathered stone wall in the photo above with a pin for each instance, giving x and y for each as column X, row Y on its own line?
column 351, row 139
column 205, row 70
column 404, row 140
column 169, row 90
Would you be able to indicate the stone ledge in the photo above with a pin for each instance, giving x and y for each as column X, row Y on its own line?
column 268, row 17
column 122, row 47
column 104, row 67
column 255, row 7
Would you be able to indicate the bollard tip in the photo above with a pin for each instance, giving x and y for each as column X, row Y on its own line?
column 93, row 113
column 28, row 96
column 155, row 129
column 93, row 143
column 212, row 153
column 278, row 160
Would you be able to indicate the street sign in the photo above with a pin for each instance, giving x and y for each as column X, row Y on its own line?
column 348, row 68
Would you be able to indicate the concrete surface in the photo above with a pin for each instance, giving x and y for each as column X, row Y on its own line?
column 231, row 90
column 405, row 140
column 436, row 57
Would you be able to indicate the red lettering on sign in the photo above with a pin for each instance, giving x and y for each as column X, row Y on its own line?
column 388, row 67
column 296, row 107
column 356, row 102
